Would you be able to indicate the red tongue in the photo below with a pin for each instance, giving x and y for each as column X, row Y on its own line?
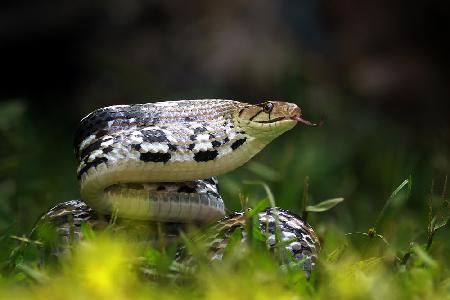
column 306, row 122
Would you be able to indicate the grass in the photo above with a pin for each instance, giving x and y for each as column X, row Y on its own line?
column 360, row 265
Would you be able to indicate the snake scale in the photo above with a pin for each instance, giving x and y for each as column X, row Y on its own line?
column 158, row 162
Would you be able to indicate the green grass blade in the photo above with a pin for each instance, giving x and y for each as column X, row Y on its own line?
column 390, row 199
column 324, row 205
column 266, row 188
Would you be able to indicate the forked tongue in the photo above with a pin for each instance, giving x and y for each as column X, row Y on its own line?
column 306, row 122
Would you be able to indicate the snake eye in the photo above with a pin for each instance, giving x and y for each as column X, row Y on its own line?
column 267, row 107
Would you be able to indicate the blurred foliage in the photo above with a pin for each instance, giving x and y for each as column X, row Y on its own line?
column 107, row 266
column 375, row 72
column 30, row 178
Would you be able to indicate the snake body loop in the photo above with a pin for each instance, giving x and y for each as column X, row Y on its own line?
column 156, row 161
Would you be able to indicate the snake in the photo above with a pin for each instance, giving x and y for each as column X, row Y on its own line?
column 159, row 162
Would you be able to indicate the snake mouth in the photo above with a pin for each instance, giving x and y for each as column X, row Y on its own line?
column 299, row 119
column 296, row 118
column 273, row 120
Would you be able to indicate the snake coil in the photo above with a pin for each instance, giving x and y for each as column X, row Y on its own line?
column 159, row 162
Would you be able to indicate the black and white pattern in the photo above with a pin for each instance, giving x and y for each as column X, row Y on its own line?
column 162, row 132
column 174, row 141
column 301, row 239
column 297, row 236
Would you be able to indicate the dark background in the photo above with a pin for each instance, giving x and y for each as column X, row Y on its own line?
column 375, row 71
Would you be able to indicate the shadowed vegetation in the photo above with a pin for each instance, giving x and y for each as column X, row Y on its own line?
column 372, row 181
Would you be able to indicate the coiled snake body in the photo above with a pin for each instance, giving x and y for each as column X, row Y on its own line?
column 158, row 162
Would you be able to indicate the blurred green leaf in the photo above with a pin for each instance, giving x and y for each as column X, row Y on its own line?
column 424, row 256
column 258, row 235
column 443, row 215
column 337, row 253
column 32, row 273
column 87, row 231
column 233, row 241
column 263, row 171
column 266, row 188
column 391, row 198
column 26, row 240
column 441, row 219
column 152, row 256
column 324, row 205
column 259, row 207
column 399, row 188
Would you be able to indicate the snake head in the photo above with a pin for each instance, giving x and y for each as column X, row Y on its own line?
column 270, row 118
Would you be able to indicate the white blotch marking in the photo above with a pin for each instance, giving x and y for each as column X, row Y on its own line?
column 154, row 147
column 135, row 139
column 94, row 154
column 293, row 224
column 87, row 141
column 107, row 137
column 202, row 147
column 203, row 137
column 296, row 246
column 181, row 156
column 288, row 236
column 271, row 240
column 107, row 143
